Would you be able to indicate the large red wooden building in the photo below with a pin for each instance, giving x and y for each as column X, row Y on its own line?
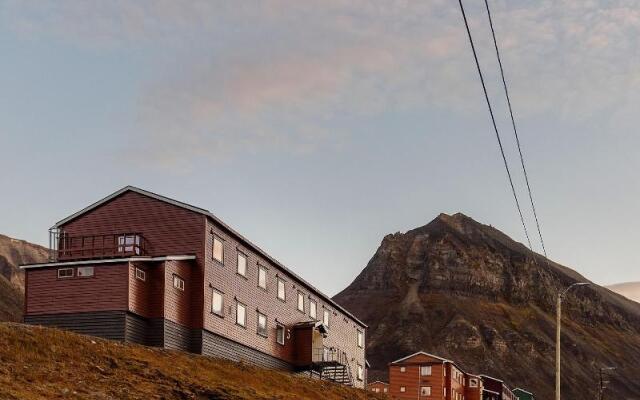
column 143, row 268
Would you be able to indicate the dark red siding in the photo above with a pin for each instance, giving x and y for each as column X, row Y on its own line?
column 167, row 230
column 146, row 298
column 105, row 291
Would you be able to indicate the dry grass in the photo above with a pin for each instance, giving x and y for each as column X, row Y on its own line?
column 44, row 363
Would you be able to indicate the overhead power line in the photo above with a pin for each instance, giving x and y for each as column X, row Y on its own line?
column 515, row 131
column 493, row 121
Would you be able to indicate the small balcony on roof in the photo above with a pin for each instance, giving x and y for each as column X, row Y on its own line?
column 65, row 247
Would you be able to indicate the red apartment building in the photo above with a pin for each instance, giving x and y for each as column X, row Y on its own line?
column 378, row 387
column 426, row 376
column 496, row 389
column 142, row 268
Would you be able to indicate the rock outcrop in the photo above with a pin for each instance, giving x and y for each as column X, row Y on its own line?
column 466, row 291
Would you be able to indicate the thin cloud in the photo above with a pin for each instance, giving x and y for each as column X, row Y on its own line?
column 282, row 75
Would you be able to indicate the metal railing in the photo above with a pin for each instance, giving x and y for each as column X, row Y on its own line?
column 329, row 355
column 65, row 247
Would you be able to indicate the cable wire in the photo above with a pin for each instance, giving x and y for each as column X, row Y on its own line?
column 515, row 130
column 493, row 121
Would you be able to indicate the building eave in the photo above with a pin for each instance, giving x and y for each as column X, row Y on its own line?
column 443, row 360
column 107, row 261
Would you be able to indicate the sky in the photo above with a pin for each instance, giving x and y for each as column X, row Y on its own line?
column 315, row 128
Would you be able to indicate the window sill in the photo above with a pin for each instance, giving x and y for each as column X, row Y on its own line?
column 242, row 276
column 264, row 335
column 241, row 326
column 219, row 315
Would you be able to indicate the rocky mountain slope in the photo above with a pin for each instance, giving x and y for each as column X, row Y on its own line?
column 466, row 291
column 630, row 290
column 14, row 252
column 44, row 363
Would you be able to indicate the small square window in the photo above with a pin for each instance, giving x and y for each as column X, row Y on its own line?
column 262, row 277
column 282, row 294
column 403, row 369
column 403, row 389
column 262, row 324
column 300, row 301
column 65, row 273
column 360, row 340
column 313, row 309
column 326, row 315
column 178, row 282
column 425, row 370
column 280, row 334
column 425, row 391
column 141, row 274
column 241, row 314
column 85, row 272
column 217, row 302
column 218, row 249
column 242, row 264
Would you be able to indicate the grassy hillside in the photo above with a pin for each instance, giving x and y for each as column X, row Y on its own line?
column 43, row 363
column 11, row 301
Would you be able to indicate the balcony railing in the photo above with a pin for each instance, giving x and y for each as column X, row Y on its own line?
column 65, row 247
column 329, row 355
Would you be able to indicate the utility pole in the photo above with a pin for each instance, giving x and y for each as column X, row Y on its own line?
column 558, row 333
column 603, row 380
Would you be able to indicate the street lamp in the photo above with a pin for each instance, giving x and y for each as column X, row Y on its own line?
column 561, row 295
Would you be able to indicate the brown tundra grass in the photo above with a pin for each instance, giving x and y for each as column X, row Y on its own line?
column 44, row 363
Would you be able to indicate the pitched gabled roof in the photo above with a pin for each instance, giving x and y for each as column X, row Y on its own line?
column 523, row 391
column 216, row 220
column 421, row 353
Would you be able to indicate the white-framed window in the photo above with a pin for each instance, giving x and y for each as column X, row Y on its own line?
column 242, row 264
column 178, row 282
column 85, row 272
column 403, row 369
column 425, row 390
column 262, row 277
column 241, row 314
column 425, row 370
column 280, row 333
column 360, row 373
column 473, row 382
column 282, row 293
column 313, row 309
column 360, row 340
column 326, row 317
column 403, row 389
column 65, row 273
column 218, row 249
column 141, row 274
column 262, row 324
column 300, row 301
column 385, row 389
column 217, row 302
column 128, row 244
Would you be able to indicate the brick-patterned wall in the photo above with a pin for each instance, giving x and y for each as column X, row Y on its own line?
column 105, row 291
column 343, row 330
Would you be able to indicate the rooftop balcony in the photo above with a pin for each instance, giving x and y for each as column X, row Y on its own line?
column 64, row 247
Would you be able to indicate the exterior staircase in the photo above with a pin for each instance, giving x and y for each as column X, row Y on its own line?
column 333, row 365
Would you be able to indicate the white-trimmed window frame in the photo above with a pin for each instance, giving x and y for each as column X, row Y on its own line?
column 241, row 255
column 281, row 328
column 313, row 305
column 215, row 292
column 262, row 270
column 300, row 299
column 360, row 339
column 241, row 305
column 265, row 333
column 73, row 273
column 178, row 282
column 217, row 239
column 281, row 283
column 141, row 274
